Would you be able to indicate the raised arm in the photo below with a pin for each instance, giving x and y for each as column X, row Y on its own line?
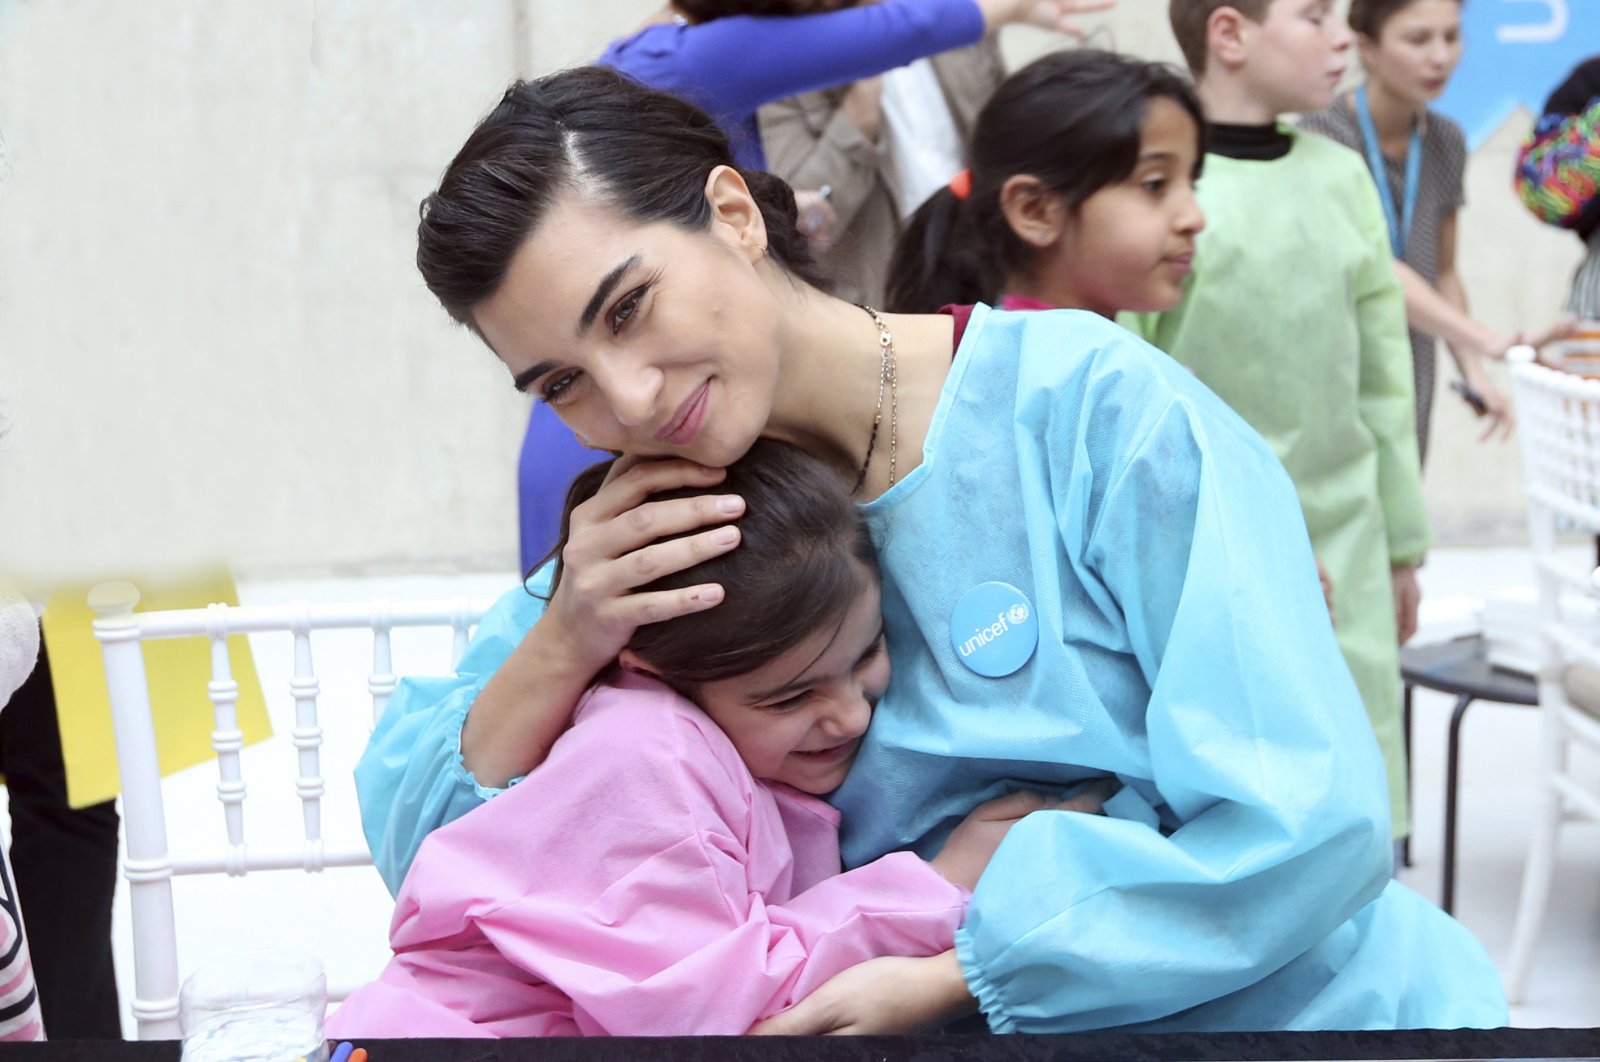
column 1387, row 395
column 761, row 59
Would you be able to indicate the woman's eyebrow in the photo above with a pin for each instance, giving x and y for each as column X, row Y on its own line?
column 602, row 292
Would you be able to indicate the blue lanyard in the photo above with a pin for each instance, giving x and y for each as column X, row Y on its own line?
column 1399, row 227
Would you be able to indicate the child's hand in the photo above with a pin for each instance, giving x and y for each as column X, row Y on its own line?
column 889, row 995
column 1407, row 597
column 613, row 550
column 972, row 844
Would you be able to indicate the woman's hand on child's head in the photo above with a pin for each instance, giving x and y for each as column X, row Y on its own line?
column 614, row 549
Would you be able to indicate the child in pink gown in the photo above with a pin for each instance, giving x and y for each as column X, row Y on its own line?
column 670, row 869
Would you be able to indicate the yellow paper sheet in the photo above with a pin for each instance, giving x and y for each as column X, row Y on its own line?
column 177, row 670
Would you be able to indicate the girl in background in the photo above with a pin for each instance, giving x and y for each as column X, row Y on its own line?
column 1080, row 195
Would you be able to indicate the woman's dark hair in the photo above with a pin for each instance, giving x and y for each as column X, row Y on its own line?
column 1367, row 17
column 1073, row 120
column 644, row 153
column 802, row 561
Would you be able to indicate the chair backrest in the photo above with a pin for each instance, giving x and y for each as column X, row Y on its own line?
column 1558, row 419
column 149, row 865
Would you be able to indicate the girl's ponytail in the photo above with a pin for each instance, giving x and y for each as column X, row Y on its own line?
column 938, row 259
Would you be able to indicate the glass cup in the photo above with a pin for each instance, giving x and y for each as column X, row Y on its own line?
column 259, row 1006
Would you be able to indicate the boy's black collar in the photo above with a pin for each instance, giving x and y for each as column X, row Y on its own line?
column 1254, row 143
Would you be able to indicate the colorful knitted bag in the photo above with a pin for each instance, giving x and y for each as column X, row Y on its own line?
column 1558, row 168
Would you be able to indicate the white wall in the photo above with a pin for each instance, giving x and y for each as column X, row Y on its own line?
column 212, row 337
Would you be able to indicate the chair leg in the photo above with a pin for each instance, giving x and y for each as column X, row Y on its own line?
column 1405, row 728
column 1447, row 890
column 1540, row 869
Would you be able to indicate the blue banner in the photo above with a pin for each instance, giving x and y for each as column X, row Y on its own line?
column 1517, row 51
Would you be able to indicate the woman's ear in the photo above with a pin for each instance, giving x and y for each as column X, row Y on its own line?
column 632, row 661
column 735, row 215
column 1036, row 214
column 1367, row 49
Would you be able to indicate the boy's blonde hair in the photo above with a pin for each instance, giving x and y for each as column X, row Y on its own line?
column 1189, row 18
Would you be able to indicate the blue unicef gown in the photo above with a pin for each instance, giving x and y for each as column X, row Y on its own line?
column 1182, row 646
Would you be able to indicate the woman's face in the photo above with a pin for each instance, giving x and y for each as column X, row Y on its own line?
column 1416, row 51
column 645, row 338
column 799, row 719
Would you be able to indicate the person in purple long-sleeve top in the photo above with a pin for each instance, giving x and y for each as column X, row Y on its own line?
column 731, row 57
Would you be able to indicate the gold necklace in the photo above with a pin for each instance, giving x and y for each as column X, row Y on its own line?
column 887, row 380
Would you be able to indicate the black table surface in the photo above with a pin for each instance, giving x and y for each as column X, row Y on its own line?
column 1461, row 666
column 1413, row 1044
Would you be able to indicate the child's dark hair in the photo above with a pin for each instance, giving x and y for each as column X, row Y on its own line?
column 803, row 559
column 1071, row 119
column 644, row 153
column 1367, row 17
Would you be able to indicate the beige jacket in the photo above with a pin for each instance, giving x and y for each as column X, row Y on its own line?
column 809, row 142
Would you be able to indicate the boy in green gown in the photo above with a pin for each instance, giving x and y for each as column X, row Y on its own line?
column 1294, row 316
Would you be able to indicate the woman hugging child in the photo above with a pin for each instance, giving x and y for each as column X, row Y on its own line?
column 670, row 869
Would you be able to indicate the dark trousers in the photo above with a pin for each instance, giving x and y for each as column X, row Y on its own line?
column 65, row 862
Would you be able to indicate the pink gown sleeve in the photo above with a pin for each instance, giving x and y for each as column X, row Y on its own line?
column 643, row 873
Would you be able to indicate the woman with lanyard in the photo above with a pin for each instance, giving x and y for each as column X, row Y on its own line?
column 1409, row 48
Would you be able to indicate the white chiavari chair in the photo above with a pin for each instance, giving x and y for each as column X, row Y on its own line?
column 150, row 866
column 1558, row 421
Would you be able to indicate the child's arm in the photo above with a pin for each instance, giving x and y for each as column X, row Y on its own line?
column 758, row 60
column 1387, row 398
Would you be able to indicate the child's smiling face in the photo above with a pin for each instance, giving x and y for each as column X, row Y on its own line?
column 799, row 719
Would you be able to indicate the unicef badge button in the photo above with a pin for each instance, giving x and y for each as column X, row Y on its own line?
column 993, row 629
